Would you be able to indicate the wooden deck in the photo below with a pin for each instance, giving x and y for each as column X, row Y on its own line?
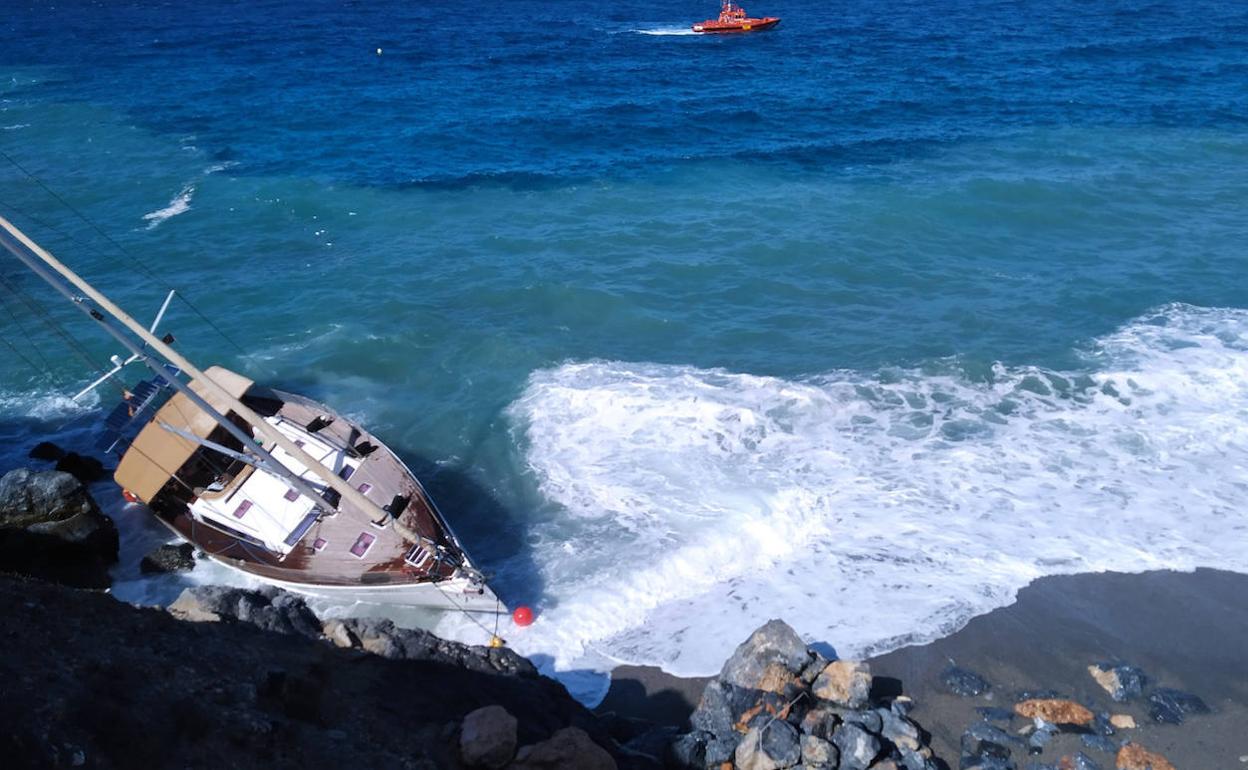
column 345, row 549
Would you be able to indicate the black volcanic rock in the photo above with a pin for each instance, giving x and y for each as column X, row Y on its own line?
column 169, row 558
column 93, row 682
column 50, row 528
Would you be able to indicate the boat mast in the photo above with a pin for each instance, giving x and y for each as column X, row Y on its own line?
column 333, row 480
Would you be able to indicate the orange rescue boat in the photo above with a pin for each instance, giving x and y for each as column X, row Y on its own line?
column 732, row 18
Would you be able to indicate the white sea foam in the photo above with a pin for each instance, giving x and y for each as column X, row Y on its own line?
column 873, row 510
column 665, row 31
column 15, row 127
column 180, row 204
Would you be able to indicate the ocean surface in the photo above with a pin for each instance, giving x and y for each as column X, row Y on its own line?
column 865, row 322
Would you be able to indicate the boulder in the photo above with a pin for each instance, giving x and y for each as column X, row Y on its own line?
column 773, row 657
column 50, row 528
column 1121, row 681
column 820, row 722
column 1132, row 756
column 964, row 682
column 771, row 747
column 1077, row 761
column 857, row 747
column 844, row 683
column 1123, row 721
column 337, row 632
column 272, row 610
column 169, row 558
column 818, row 754
column 487, row 738
column 1055, row 710
column 898, row 730
column 568, row 749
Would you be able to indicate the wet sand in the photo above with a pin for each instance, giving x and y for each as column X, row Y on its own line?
column 1186, row 630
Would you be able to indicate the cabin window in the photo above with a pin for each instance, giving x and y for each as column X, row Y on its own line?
column 346, row 472
column 365, row 487
column 319, row 544
column 242, row 508
column 291, row 495
column 362, row 544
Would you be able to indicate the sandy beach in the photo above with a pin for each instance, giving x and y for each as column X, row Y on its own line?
column 1187, row 631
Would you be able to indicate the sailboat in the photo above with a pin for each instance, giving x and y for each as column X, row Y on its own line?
column 269, row 483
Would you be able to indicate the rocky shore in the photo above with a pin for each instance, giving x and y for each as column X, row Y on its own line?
column 239, row 678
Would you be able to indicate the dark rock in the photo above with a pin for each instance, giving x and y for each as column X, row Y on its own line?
column 769, row 747
column 653, row 742
column 1099, row 742
column 898, row 730
column 567, row 748
column 773, row 656
column 858, row 748
column 814, row 668
column 965, row 682
column 46, row 450
column 780, row 742
column 982, row 731
column 487, row 737
column 688, row 751
column 1038, row 695
column 1172, row 706
column 869, row 720
column 995, row 714
column 169, row 558
column 819, row 754
column 1120, row 680
column 820, row 722
column 721, row 749
column 714, row 713
column 1040, row 737
column 50, row 528
column 86, row 469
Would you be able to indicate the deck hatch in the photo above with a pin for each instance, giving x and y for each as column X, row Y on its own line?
column 362, row 544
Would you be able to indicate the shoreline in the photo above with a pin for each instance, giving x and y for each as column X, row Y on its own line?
column 1186, row 630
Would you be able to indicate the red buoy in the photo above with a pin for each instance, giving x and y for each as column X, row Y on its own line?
column 522, row 616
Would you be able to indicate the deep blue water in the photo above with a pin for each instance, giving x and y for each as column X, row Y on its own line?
column 455, row 237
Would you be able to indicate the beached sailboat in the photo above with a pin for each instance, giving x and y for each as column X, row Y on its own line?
column 266, row 482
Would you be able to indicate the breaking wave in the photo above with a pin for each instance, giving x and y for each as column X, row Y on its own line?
column 180, row 204
column 872, row 511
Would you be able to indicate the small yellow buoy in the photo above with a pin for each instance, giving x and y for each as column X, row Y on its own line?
column 497, row 641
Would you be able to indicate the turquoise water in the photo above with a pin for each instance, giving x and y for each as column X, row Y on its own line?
column 864, row 322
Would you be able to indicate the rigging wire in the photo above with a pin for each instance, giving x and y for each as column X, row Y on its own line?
column 45, row 366
column 49, row 321
column 138, row 263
